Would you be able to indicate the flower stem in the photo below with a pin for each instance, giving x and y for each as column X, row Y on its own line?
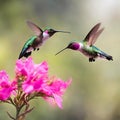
column 18, row 112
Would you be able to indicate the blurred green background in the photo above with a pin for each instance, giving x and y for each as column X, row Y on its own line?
column 95, row 90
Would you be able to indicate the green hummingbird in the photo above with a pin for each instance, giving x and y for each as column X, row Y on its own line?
column 87, row 47
column 37, row 40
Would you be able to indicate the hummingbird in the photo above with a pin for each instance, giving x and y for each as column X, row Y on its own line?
column 37, row 40
column 86, row 46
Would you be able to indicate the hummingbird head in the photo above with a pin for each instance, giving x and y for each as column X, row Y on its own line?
column 51, row 31
column 72, row 45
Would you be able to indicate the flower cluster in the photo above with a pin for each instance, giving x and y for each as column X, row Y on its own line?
column 32, row 80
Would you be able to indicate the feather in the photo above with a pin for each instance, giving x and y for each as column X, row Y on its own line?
column 37, row 30
column 93, row 34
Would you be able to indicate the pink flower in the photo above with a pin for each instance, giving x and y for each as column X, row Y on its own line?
column 34, row 74
column 56, row 89
column 6, row 87
column 35, row 79
column 27, row 68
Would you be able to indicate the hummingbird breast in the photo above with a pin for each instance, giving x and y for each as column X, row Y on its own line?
column 37, row 42
column 40, row 40
column 88, row 51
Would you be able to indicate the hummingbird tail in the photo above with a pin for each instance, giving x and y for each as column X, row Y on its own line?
column 106, row 56
column 20, row 56
column 25, row 55
column 109, row 57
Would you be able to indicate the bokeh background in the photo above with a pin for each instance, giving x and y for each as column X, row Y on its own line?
column 95, row 90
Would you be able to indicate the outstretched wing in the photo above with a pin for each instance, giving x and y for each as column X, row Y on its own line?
column 93, row 34
column 37, row 30
column 96, row 35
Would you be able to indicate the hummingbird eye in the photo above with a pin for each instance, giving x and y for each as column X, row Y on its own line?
column 51, row 30
column 70, row 45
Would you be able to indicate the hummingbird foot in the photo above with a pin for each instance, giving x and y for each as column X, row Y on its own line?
column 91, row 60
column 37, row 49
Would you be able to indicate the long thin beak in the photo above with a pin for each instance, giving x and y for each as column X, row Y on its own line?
column 61, row 51
column 62, row 31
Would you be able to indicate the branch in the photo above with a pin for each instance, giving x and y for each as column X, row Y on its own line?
column 10, row 116
column 27, row 111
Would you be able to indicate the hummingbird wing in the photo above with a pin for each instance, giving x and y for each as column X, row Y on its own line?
column 37, row 30
column 97, row 35
column 93, row 34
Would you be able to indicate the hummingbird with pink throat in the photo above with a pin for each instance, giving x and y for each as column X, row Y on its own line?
column 86, row 46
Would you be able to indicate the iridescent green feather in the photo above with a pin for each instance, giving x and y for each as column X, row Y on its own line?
column 27, row 45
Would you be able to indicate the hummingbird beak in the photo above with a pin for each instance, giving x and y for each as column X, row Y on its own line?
column 61, row 51
column 62, row 31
